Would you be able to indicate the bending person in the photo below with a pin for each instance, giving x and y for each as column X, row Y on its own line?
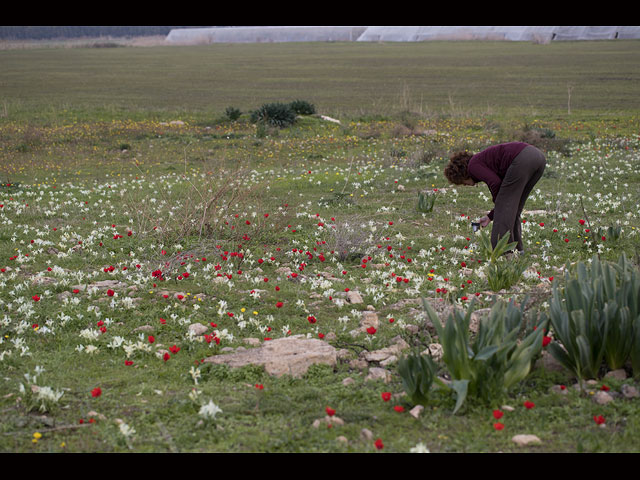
column 510, row 170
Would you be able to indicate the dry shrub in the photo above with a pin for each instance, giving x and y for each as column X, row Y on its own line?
column 348, row 239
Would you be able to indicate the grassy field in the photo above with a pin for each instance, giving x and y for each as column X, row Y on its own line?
column 119, row 163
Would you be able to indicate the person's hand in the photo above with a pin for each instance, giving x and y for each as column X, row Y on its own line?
column 484, row 221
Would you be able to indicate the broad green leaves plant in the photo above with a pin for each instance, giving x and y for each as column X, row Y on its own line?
column 502, row 272
column 496, row 360
column 418, row 373
column 596, row 317
column 426, row 201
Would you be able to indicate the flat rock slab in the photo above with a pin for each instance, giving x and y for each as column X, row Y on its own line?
column 284, row 356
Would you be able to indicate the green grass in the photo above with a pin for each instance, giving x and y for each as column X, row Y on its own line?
column 85, row 144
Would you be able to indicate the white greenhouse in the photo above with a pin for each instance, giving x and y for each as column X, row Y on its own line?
column 275, row 34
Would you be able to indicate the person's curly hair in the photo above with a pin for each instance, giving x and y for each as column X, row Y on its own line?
column 456, row 170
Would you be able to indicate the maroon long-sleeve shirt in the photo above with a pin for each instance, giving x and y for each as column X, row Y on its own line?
column 491, row 165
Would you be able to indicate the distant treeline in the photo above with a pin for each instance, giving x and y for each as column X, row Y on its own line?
column 42, row 32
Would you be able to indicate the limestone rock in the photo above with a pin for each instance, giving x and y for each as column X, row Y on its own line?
column 354, row 297
column 602, row 398
column 376, row 373
column 198, row 329
column 523, row 440
column 289, row 355
column 416, row 411
column 629, row 391
column 369, row 319
column 619, row 374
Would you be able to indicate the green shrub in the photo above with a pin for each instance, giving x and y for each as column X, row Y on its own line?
column 596, row 317
column 426, row 200
column 232, row 114
column 275, row 114
column 418, row 373
column 496, row 360
column 302, row 107
column 502, row 272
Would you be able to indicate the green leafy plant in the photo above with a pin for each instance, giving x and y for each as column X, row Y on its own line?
column 596, row 317
column 502, row 272
column 275, row 114
column 496, row 360
column 232, row 113
column 302, row 107
column 426, row 201
column 418, row 373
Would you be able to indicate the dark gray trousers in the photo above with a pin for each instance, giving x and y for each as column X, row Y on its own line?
column 523, row 174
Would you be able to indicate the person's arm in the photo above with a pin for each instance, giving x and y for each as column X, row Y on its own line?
column 481, row 172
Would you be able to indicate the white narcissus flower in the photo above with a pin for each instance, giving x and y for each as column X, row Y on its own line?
column 209, row 410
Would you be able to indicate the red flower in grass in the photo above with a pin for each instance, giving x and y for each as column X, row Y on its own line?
column 546, row 341
column 386, row 396
column 398, row 408
column 311, row 319
column 378, row 444
column 279, row 304
column 110, row 293
column 166, row 356
column 174, row 349
column 128, row 363
column 529, row 405
column 96, row 392
column 599, row 419
column 371, row 330
column 498, row 426
column 151, row 339
column 36, row 298
column 330, row 411
column 497, row 414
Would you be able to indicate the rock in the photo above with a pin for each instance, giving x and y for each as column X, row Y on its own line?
column 476, row 316
column 629, row 391
column 602, row 398
column 342, row 439
column 369, row 319
column 354, row 297
column 561, row 389
column 143, row 328
column 254, row 342
column 548, row 362
column 198, row 329
column 385, row 353
column 366, row 434
column 435, row 351
column 283, row 356
column 376, row 373
column 348, row 381
column 619, row 374
column 523, row 440
column 416, row 411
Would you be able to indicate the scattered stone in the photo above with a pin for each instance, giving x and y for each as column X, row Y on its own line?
column 412, row 329
column 416, row 411
column 376, row 373
column 38, row 280
column 348, row 381
column 561, row 389
column 143, row 328
column 354, row 297
column 342, row 439
column 523, row 440
column 366, row 434
column 619, row 374
column 53, row 251
column 330, row 337
column 629, row 391
column 369, row 319
column 476, row 316
column 289, row 355
column 507, row 408
column 602, row 398
column 358, row 364
column 198, row 329
column 548, row 362
column 435, row 351
column 254, row 342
